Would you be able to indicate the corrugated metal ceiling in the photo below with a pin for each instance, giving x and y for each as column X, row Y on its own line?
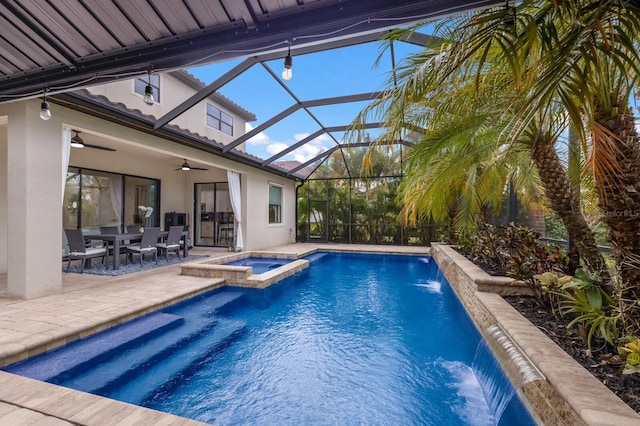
column 61, row 45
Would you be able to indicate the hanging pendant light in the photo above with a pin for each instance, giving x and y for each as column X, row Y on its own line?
column 148, row 92
column 288, row 62
column 45, row 112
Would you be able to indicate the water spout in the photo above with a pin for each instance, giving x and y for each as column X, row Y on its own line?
column 501, row 368
column 512, row 357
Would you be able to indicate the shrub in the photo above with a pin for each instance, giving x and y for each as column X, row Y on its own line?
column 517, row 252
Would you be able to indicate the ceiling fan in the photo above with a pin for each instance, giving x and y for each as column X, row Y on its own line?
column 77, row 142
column 185, row 166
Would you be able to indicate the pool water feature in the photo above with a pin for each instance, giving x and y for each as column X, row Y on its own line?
column 364, row 339
column 260, row 264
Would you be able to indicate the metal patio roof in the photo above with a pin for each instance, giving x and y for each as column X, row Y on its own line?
column 60, row 45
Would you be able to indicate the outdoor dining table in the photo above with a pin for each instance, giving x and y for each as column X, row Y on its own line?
column 116, row 240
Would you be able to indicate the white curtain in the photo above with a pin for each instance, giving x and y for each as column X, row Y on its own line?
column 66, row 150
column 115, row 190
column 236, row 203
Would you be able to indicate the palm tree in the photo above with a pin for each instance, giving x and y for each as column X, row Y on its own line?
column 582, row 55
column 469, row 117
column 587, row 61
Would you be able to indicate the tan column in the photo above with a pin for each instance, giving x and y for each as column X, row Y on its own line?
column 3, row 195
column 34, row 202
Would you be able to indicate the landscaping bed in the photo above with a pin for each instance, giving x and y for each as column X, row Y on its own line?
column 604, row 364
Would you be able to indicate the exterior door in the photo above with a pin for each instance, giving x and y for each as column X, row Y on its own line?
column 214, row 222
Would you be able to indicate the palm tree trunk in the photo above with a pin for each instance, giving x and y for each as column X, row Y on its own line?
column 620, row 202
column 565, row 203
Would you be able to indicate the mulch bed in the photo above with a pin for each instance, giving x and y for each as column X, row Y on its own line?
column 603, row 362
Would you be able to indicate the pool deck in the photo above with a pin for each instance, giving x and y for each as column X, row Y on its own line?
column 90, row 303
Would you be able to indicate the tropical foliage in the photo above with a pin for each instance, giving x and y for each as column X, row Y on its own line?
column 493, row 97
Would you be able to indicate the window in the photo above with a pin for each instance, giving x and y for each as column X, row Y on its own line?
column 142, row 82
column 219, row 120
column 94, row 198
column 275, row 204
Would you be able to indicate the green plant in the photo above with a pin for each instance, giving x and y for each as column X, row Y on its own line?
column 631, row 354
column 548, row 286
column 515, row 251
column 592, row 307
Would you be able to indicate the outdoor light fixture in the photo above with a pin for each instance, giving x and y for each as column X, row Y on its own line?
column 148, row 92
column 286, row 71
column 45, row 112
column 185, row 166
column 77, row 141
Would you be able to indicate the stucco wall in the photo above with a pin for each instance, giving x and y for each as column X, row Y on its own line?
column 259, row 233
column 159, row 160
column 172, row 93
column 3, row 198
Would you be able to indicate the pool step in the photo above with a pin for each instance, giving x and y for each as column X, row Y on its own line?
column 100, row 379
column 314, row 256
column 179, row 365
column 210, row 305
column 225, row 300
column 196, row 322
column 91, row 351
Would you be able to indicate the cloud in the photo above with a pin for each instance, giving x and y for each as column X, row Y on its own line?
column 311, row 148
column 302, row 154
column 260, row 139
column 322, row 138
column 307, row 152
column 275, row 147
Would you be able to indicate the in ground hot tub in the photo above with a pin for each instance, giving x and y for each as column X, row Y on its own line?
column 249, row 269
column 260, row 264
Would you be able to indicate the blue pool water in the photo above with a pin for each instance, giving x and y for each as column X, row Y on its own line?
column 354, row 339
column 260, row 264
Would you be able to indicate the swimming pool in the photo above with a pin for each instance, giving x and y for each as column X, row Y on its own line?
column 355, row 339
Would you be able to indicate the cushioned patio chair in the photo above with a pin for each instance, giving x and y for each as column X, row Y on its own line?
column 110, row 229
column 148, row 244
column 186, row 229
column 79, row 250
column 172, row 243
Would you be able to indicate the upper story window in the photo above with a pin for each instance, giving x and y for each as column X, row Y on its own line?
column 142, row 82
column 219, row 120
column 275, row 204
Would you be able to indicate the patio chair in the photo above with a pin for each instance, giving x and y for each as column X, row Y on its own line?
column 148, row 244
column 109, row 229
column 79, row 250
column 172, row 242
column 181, row 242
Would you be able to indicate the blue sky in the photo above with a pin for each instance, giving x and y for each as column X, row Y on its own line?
column 338, row 72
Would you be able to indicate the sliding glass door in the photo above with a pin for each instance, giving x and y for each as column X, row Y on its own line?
column 214, row 215
column 94, row 198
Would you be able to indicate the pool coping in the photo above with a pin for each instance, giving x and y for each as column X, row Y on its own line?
column 564, row 392
column 243, row 276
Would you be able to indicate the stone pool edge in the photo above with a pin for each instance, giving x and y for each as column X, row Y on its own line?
column 243, row 276
column 567, row 394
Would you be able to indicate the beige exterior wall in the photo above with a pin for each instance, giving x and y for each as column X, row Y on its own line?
column 3, row 196
column 259, row 233
column 177, row 187
column 31, row 186
column 172, row 93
